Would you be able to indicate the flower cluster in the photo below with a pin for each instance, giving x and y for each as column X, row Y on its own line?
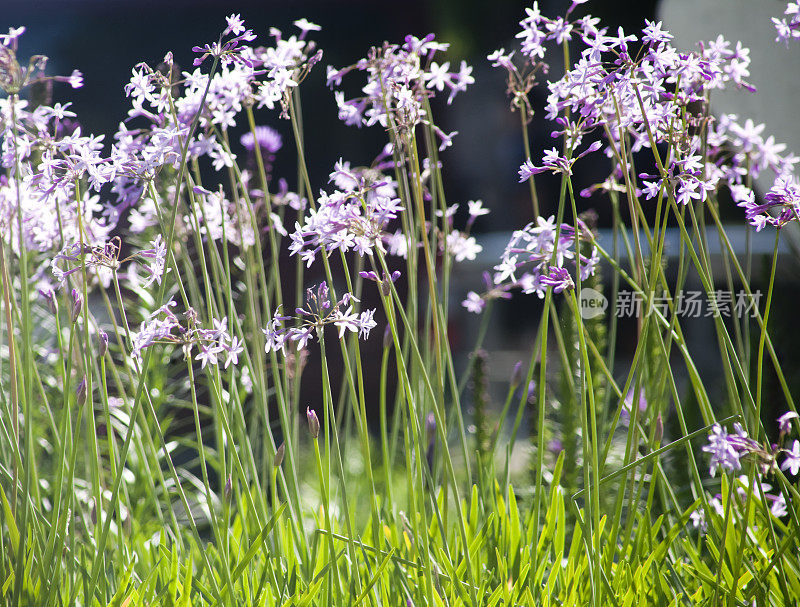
column 215, row 218
column 744, row 491
column 320, row 310
column 163, row 326
column 783, row 199
column 535, row 259
column 399, row 79
column 168, row 103
column 643, row 88
column 104, row 260
column 789, row 27
column 554, row 162
column 726, row 450
column 353, row 217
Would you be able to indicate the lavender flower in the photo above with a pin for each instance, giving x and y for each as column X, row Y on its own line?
column 474, row 303
column 559, row 279
column 320, row 311
column 554, row 162
column 399, row 78
column 792, row 460
column 163, row 326
column 628, row 404
column 526, row 261
column 158, row 254
column 727, row 449
column 698, row 518
column 785, row 422
column 268, row 139
column 789, row 27
column 352, row 218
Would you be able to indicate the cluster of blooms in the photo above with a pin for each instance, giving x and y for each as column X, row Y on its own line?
column 163, row 326
column 267, row 141
column 554, row 162
column 321, row 311
column 104, row 260
column 783, row 199
column 738, row 152
column 535, row 259
column 46, row 155
column 399, row 78
column 726, row 450
column 50, row 159
column 776, row 501
column 789, row 26
column 353, row 217
column 248, row 75
column 219, row 218
column 644, row 95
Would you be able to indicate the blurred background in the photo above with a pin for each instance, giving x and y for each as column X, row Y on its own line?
column 104, row 39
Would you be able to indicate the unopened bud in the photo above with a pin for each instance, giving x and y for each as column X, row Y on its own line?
column 387, row 336
column 659, row 434
column 80, row 392
column 102, row 343
column 516, row 375
column 278, row 459
column 430, row 426
column 50, row 299
column 77, row 304
column 313, row 422
column 228, row 487
column 386, row 287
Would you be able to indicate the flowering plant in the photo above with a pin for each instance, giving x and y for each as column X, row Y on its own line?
column 173, row 463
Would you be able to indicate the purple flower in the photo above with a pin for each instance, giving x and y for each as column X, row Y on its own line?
column 627, row 407
column 474, row 303
column 698, row 518
column 354, row 217
column 235, row 25
column 792, row 461
column 268, row 139
column 727, row 449
column 208, row 355
column 399, row 78
column 158, row 254
column 528, row 170
column 788, row 28
column 785, row 422
column 476, row 208
column 559, row 279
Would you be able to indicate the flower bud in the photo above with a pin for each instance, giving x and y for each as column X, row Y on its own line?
column 387, row 337
column 102, row 343
column 49, row 297
column 430, row 426
column 386, row 287
column 77, row 304
column 80, row 392
column 313, row 422
column 278, row 459
column 516, row 375
column 228, row 488
column 659, row 433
